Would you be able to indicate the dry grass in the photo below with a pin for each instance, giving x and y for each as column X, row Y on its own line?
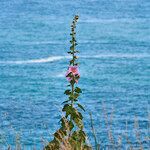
column 116, row 143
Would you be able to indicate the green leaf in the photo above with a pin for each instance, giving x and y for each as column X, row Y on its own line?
column 76, row 51
column 69, row 52
column 76, row 114
column 63, row 121
column 77, row 77
column 76, row 95
column 66, row 124
column 80, row 115
column 75, row 57
column 68, row 109
column 67, row 92
column 78, row 122
column 59, row 134
column 71, row 98
column 76, row 64
column 75, row 135
column 65, row 101
column 72, row 82
column 79, row 137
column 71, row 62
column 82, row 135
column 72, row 48
column 71, row 125
column 80, row 106
column 78, row 90
column 65, row 107
column 69, row 75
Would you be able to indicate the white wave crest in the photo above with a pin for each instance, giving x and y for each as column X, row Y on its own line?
column 122, row 20
column 42, row 60
column 118, row 56
column 55, row 58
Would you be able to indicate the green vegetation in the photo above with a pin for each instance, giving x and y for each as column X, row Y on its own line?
column 71, row 133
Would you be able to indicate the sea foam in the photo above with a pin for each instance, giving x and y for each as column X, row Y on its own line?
column 57, row 58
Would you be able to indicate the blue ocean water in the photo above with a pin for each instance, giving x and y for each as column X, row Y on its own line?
column 114, row 42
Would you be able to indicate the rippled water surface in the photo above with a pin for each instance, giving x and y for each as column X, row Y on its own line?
column 114, row 42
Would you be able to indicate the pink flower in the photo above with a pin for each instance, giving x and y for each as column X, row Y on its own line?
column 74, row 71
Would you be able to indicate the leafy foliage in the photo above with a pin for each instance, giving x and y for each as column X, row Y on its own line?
column 71, row 129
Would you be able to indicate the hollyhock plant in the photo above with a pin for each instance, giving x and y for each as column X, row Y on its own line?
column 72, row 128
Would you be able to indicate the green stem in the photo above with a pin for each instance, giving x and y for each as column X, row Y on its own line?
column 72, row 92
column 73, row 60
column 73, row 49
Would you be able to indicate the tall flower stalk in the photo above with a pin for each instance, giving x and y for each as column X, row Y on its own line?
column 71, row 130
